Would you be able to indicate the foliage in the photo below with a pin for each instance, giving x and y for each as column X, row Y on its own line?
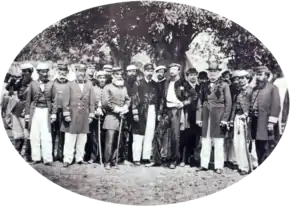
column 165, row 30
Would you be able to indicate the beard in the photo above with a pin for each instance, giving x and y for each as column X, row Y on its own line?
column 160, row 77
column 131, row 79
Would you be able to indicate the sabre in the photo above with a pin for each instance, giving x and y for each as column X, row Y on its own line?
column 99, row 139
column 119, row 138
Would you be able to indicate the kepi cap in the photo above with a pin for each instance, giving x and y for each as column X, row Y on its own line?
column 100, row 73
column 148, row 66
column 116, row 69
column 262, row 69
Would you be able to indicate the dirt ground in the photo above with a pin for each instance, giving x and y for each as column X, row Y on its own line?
column 138, row 185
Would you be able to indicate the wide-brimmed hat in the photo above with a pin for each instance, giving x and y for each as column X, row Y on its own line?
column 160, row 68
column 43, row 66
column 131, row 67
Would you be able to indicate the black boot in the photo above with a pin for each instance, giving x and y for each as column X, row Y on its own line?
column 28, row 151
column 19, row 145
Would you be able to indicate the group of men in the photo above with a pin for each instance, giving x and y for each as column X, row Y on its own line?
column 107, row 115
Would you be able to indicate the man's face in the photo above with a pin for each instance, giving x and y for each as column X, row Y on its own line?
column 160, row 74
column 43, row 74
column 102, row 80
column 261, row 76
column 148, row 73
column 90, row 74
column 80, row 74
column 227, row 76
column 26, row 73
column 132, row 72
column 192, row 78
column 243, row 81
column 213, row 75
column 118, row 75
column 174, row 71
column 62, row 72
column 235, row 81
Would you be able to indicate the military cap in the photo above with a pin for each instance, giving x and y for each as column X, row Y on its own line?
column 116, row 69
column 202, row 74
column 80, row 67
column 191, row 70
column 242, row 73
column 62, row 64
column 148, row 66
column 131, row 67
column 174, row 65
column 159, row 68
column 108, row 67
column 100, row 73
column 235, row 73
column 26, row 65
column 262, row 69
column 43, row 66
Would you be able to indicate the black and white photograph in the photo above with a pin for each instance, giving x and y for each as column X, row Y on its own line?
column 144, row 103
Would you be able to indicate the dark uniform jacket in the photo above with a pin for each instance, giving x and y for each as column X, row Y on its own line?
column 79, row 105
column 34, row 95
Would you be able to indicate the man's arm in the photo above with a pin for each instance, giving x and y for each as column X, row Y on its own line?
column 66, row 101
column 275, row 106
column 227, row 102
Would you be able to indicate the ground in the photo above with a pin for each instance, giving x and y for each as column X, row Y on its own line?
column 138, row 185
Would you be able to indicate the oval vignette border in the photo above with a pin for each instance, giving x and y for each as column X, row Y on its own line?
column 256, row 178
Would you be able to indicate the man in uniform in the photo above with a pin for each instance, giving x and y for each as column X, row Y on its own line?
column 59, row 87
column 39, row 113
column 92, row 146
column 264, row 113
column 108, row 69
column 239, row 114
column 144, row 101
column 116, row 103
column 17, row 105
column 213, row 117
column 78, row 112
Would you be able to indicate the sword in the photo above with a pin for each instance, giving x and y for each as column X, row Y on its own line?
column 119, row 138
column 99, row 139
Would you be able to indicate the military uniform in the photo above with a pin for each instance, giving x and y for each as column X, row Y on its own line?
column 38, row 111
column 16, row 106
column 92, row 146
column 59, row 88
column 214, row 111
column 265, row 110
column 116, row 101
column 144, row 101
column 239, row 114
column 78, row 107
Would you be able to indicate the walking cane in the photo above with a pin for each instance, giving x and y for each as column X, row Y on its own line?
column 99, row 139
column 246, row 147
column 119, row 138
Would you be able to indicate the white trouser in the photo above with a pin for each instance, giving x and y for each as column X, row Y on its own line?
column 18, row 128
column 206, row 145
column 137, row 147
column 74, row 143
column 140, row 141
column 240, row 146
column 149, row 133
column 40, row 137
